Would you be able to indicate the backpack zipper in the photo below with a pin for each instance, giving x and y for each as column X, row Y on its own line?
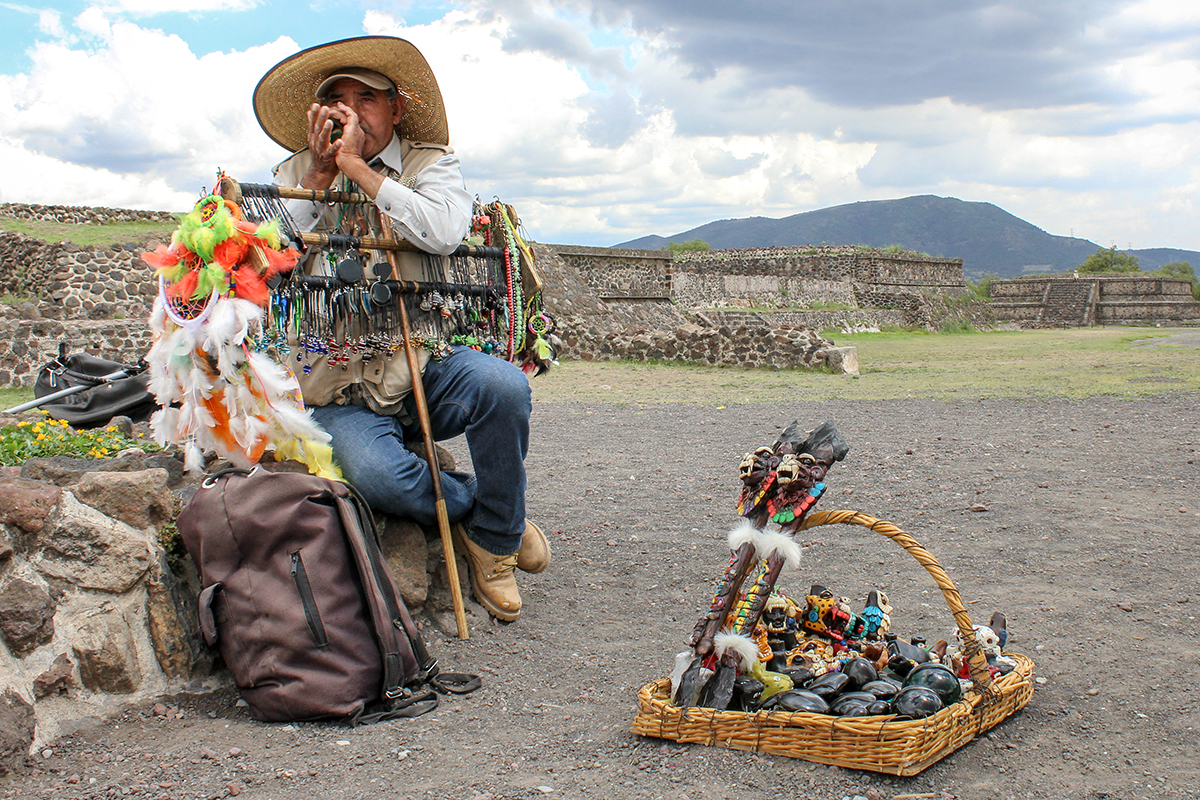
column 311, row 615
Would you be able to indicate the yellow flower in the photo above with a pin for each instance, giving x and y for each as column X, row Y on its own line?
column 111, row 429
column 41, row 436
column 23, row 423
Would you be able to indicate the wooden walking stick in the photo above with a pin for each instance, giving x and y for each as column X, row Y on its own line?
column 435, row 472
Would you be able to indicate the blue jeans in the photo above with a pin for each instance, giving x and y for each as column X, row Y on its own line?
column 468, row 392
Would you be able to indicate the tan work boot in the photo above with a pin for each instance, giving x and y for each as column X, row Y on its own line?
column 491, row 577
column 534, row 555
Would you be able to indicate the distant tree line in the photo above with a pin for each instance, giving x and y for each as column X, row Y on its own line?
column 1110, row 259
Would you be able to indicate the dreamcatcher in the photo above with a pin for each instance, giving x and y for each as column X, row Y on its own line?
column 217, row 390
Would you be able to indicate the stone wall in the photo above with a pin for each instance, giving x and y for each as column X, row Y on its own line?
column 82, row 215
column 96, row 613
column 1095, row 299
column 613, row 272
column 93, row 299
column 854, row 265
column 91, row 614
column 795, row 279
column 100, row 282
column 610, row 305
column 607, row 300
column 26, row 264
column 26, row 345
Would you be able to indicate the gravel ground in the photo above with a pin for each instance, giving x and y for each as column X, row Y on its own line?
column 1088, row 543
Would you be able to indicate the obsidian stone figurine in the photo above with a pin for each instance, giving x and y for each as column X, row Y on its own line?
column 917, row 702
column 860, row 671
column 937, row 677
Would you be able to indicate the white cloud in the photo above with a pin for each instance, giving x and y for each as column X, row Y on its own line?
column 32, row 177
column 593, row 154
column 50, row 22
column 145, row 8
column 139, row 105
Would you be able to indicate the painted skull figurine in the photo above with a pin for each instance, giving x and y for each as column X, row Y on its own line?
column 786, row 479
column 755, row 466
column 989, row 643
column 779, row 622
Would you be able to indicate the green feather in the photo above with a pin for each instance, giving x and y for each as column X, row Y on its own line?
column 269, row 232
column 209, row 278
column 200, row 237
column 173, row 273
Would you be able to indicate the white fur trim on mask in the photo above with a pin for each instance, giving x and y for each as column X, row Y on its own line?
column 744, row 532
column 786, row 546
column 743, row 646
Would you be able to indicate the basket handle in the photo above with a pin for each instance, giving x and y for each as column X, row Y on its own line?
column 976, row 659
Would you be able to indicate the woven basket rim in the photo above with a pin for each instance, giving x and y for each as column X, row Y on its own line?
column 975, row 657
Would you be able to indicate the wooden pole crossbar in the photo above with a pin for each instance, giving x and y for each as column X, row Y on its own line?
column 398, row 286
column 296, row 193
column 391, row 245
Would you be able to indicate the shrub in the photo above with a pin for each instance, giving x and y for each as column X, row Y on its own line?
column 1110, row 260
column 690, row 246
column 954, row 325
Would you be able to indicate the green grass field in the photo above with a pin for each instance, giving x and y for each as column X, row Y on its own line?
column 1018, row 364
column 87, row 235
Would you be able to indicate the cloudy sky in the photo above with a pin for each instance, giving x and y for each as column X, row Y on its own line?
column 605, row 120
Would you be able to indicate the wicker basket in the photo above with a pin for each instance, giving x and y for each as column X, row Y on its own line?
column 879, row 743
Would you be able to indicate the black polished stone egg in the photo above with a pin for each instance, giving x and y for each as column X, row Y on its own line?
column 917, row 702
column 799, row 673
column 880, row 707
column 801, row 700
column 842, row 706
column 883, row 690
column 860, row 671
column 865, row 697
column 939, row 678
column 857, row 710
column 829, row 686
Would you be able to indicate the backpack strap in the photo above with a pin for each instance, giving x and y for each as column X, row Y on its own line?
column 405, row 659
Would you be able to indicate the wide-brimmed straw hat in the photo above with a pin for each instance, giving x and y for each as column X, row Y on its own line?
column 283, row 96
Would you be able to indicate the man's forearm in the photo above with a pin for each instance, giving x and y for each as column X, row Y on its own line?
column 367, row 179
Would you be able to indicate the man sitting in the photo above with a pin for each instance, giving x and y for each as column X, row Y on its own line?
column 366, row 115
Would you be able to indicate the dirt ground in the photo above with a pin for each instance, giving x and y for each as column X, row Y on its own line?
column 1088, row 543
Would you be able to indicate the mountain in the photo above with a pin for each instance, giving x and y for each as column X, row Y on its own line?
column 988, row 239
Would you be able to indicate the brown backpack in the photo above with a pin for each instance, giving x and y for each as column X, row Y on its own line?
column 300, row 603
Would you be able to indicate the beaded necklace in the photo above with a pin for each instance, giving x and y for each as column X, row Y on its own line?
column 516, row 304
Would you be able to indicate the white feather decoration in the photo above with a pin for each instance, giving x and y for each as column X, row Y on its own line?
column 217, row 392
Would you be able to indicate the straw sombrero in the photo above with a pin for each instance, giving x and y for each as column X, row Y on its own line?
column 283, row 96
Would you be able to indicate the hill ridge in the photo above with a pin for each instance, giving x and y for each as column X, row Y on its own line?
column 989, row 240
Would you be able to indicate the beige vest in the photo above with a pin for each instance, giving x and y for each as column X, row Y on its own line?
column 385, row 377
